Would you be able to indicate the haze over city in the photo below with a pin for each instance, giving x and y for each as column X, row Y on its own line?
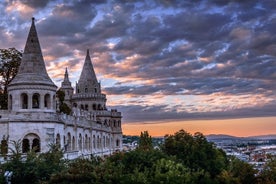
column 207, row 66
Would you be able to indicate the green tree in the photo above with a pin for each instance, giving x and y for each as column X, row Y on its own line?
column 241, row 172
column 195, row 152
column 169, row 171
column 268, row 174
column 63, row 107
column 9, row 64
column 33, row 167
column 145, row 141
column 78, row 171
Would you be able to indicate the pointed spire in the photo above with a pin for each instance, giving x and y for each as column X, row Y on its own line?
column 88, row 82
column 66, row 78
column 32, row 60
column 66, row 82
column 88, row 73
column 32, row 68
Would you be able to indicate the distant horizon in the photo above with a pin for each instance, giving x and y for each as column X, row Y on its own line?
column 250, row 127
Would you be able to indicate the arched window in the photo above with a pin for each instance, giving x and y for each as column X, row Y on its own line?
column 80, row 142
column 82, row 108
column 85, row 90
column 24, row 101
column 117, row 142
column 86, row 107
column 94, row 107
column 58, row 140
column 99, row 106
column 25, row 145
column 94, row 141
column 31, row 141
column 64, row 141
column 35, row 101
column 73, row 143
column 108, row 142
column 95, row 90
column 98, row 142
column 86, row 142
column 36, row 145
column 47, row 101
column 68, row 142
column 4, row 147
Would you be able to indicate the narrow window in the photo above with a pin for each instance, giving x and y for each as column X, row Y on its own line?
column 47, row 101
column 58, row 140
column 36, row 145
column 25, row 145
column 24, row 101
column 73, row 143
column 35, row 101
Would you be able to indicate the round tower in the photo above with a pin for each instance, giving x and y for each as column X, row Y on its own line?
column 32, row 90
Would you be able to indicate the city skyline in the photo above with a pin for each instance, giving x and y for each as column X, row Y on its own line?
column 196, row 65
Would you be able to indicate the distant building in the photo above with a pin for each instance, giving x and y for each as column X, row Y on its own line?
column 33, row 116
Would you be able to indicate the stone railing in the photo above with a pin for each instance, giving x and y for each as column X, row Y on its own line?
column 89, row 95
column 82, row 122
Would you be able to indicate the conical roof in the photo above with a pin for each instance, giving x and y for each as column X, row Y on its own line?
column 32, row 69
column 88, row 74
column 66, row 82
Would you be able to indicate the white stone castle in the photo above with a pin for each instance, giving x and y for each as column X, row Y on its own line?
column 33, row 119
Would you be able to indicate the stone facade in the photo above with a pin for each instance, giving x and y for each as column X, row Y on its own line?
column 33, row 118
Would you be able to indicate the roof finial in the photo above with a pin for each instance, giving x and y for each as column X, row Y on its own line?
column 33, row 19
column 87, row 53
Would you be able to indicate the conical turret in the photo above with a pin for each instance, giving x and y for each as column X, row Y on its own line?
column 66, row 82
column 32, row 89
column 88, row 82
column 67, row 88
column 88, row 73
column 32, row 68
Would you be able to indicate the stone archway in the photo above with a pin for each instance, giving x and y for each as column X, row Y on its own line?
column 31, row 141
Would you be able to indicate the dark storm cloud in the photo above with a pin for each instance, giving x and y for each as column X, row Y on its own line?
column 35, row 3
column 66, row 20
column 183, row 47
column 136, row 113
column 198, row 86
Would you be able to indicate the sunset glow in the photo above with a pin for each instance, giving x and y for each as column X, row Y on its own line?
column 207, row 66
column 236, row 127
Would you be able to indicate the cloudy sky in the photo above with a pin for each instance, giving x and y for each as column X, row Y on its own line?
column 160, row 60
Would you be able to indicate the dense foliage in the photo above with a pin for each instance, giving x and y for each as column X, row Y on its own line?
column 63, row 107
column 9, row 63
column 183, row 158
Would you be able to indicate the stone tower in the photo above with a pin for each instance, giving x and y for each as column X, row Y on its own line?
column 67, row 88
column 32, row 117
column 32, row 88
column 88, row 90
column 32, row 99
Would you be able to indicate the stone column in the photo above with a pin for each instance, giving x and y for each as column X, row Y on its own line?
column 30, row 101
column 41, row 99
